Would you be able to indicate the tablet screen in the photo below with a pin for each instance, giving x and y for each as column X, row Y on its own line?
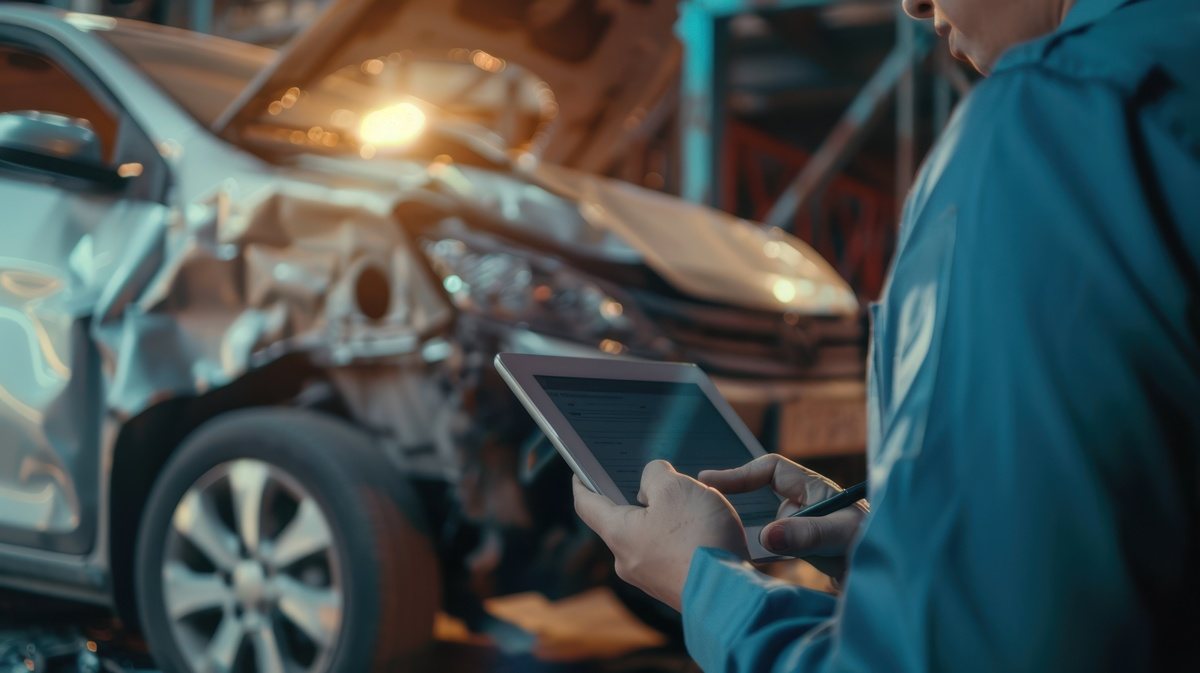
column 626, row 424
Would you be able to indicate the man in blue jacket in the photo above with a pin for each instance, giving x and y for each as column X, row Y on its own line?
column 1034, row 388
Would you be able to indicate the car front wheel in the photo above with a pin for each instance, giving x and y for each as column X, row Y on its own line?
column 279, row 541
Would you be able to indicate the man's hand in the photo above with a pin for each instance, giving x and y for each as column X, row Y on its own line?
column 823, row 540
column 653, row 545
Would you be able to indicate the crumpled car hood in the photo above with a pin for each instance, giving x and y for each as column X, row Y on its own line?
column 702, row 252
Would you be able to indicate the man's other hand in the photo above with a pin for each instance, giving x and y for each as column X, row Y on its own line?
column 812, row 538
column 653, row 545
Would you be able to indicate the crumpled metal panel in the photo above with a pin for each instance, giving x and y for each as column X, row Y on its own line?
column 699, row 250
column 241, row 284
column 108, row 307
column 53, row 260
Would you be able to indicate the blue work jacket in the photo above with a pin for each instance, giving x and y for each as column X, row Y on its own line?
column 1034, row 395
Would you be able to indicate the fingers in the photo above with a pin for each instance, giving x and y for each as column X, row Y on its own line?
column 827, row 535
column 796, row 483
column 752, row 476
column 787, row 478
column 597, row 511
column 655, row 476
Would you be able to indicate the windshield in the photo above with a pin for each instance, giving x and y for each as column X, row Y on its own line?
column 204, row 74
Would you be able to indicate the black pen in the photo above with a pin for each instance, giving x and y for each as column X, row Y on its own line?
column 840, row 501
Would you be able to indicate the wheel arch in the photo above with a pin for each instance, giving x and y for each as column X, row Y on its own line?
column 146, row 442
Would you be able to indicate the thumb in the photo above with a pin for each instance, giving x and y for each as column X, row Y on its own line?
column 597, row 511
column 803, row 536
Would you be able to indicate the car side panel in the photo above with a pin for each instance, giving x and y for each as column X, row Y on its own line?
column 50, row 383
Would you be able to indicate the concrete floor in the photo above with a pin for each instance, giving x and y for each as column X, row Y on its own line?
column 587, row 633
column 591, row 632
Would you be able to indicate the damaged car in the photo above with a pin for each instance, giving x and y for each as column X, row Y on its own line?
column 249, row 302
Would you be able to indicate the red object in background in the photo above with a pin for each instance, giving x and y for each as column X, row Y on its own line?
column 856, row 227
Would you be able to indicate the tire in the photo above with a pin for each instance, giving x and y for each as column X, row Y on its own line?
column 339, row 580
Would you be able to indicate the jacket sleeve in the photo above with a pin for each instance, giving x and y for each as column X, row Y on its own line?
column 1033, row 482
column 737, row 619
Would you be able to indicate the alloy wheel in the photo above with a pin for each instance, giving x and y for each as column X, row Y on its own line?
column 251, row 576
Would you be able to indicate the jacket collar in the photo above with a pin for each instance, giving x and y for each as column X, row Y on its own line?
column 1082, row 15
column 1087, row 12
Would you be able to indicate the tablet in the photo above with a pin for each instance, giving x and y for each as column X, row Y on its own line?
column 609, row 418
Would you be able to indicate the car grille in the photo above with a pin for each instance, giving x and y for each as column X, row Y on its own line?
column 743, row 343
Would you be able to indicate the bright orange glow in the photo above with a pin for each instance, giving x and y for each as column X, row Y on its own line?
column 394, row 125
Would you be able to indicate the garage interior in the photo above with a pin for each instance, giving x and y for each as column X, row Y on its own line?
column 261, row 414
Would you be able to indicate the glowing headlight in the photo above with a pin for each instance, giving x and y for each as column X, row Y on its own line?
column 543, row 295
column 392, row 126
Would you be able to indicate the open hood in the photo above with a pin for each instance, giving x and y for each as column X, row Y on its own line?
column 707, row 253
column 702, row 252
column 604, row 60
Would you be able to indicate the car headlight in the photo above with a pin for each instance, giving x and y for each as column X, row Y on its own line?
column 541, row 294
column 396, row 125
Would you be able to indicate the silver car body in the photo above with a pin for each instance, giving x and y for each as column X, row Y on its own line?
column 113, row 305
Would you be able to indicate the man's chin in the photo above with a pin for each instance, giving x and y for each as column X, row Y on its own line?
column 982, row 66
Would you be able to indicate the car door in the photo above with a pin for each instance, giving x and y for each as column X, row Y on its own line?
column 60, row 222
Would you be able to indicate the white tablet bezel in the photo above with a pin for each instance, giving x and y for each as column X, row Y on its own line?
column 519, row 372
